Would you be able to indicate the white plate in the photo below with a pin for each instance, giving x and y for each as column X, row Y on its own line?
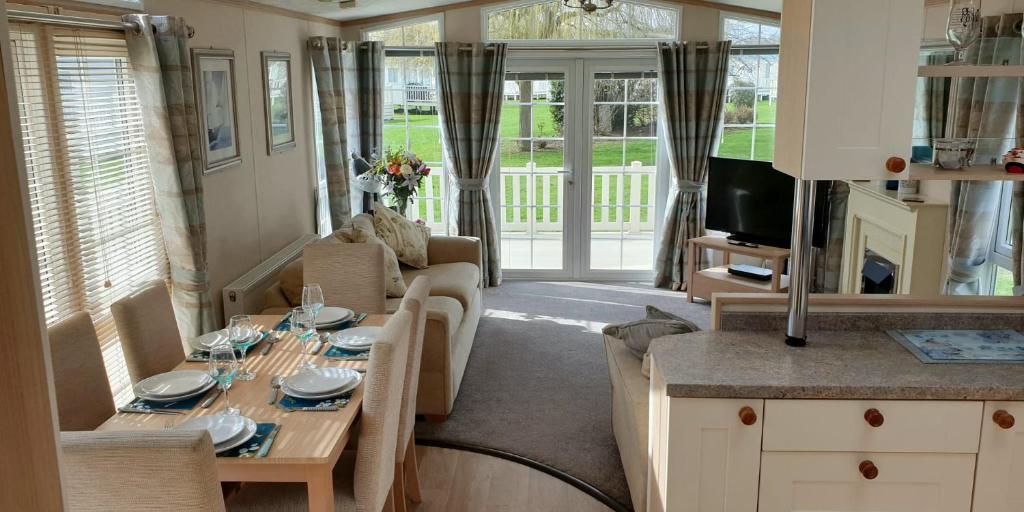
column 173, row 384
column 248, row 431
column 177, row 398
column 319, row 381
column 355, row 337
column 210, row 340
column 331, row 315
column 221, row 428
column 312, row 396
column 354, row 348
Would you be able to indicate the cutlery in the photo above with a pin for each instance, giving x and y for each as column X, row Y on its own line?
column 315, row 349
column 138, row 410
column 268, row 442
column 209, row 401
column 274, row 337
column 359, row 318
column 314, row 408
column 275, row 384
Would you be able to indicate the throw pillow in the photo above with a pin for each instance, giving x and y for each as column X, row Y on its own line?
column 654, row 313
column 638, row 334
column 361, row 232
column 407, row 238
column 290, row 280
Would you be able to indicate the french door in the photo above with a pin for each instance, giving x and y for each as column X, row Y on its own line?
column 580, row 179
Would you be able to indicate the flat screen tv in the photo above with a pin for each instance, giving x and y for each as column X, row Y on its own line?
column 754, row 203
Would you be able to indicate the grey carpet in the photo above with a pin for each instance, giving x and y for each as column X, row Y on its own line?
column 537, row 380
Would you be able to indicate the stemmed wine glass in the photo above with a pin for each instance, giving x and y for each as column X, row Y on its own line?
column 241, row 333
column 964, row 26
column 303, row 329
column 313, row 301
column 224, row 369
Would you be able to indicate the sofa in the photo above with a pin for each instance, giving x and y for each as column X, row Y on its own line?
column 453, row 309
column 630, row 395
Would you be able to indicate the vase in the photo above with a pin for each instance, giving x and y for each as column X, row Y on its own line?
column 401, row 204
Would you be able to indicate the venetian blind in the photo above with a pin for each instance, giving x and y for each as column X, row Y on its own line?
column 96, row 228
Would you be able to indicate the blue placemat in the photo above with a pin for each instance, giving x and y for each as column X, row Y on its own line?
column 963, row 346
column 290, row 402
column 203, row 356
column 181, row 405
column 346, row 355
column 251, row 447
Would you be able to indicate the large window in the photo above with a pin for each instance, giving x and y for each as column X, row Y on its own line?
column 411, row 119
column 751, row 92
column 1001, row 280
column 552, row 20
column 92, row 203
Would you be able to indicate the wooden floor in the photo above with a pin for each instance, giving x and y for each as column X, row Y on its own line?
column 463, row 481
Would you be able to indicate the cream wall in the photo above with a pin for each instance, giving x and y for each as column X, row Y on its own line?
column 256, row 208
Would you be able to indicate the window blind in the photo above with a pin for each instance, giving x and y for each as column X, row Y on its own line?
column 91, row 194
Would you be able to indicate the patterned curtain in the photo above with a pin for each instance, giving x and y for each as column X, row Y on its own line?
column 471, row 80
column 985, row 109
column 328, row 72
column 163, row 77
column 1017, row 234
column 692, row 78
column 936, row 99
column 828, row 260
column 364, row 79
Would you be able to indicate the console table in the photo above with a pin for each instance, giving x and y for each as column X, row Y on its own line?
column 704, row 283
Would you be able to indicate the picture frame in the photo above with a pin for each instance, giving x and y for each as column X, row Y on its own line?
column 217, row 108
column 277, row 101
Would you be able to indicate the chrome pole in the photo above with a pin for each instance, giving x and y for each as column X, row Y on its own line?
column 800, row 263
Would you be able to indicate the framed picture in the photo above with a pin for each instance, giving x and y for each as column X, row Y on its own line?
column 277, row 101
column 215, row 100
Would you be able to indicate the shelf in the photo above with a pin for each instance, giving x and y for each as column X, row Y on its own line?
column 722, row 274
column 970, row 71
column 976, row 173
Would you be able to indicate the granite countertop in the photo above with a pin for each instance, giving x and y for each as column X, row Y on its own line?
column 842, row 365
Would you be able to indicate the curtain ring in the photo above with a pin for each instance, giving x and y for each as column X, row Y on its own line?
column 190, row 30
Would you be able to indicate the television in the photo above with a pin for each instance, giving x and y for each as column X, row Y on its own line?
column 754, row 203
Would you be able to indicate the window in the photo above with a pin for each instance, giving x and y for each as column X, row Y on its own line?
column 411, row 119
column 91, row 195
column 748, row 130
column 1002, row 246
column 551, row 20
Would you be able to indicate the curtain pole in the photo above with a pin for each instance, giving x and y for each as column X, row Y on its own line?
column 78, row 21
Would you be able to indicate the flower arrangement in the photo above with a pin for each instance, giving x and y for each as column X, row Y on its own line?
column 401, row 173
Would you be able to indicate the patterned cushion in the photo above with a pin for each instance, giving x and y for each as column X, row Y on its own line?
column 407, row 238
column 291, row 282
column 361, row 231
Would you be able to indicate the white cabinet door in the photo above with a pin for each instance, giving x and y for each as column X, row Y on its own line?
column 904, row 482
column 847, row 76
column 707, row 455
column 1000, row 480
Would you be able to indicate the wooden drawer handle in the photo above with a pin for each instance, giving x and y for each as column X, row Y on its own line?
column 868, row 470
column 895, row 164
column 1004, row 419
column 748, row 416
column 874, row 417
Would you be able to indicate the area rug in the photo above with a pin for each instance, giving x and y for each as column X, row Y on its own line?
column 536, row 385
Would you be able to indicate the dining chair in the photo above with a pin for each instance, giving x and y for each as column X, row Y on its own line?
column 152, row 470
column 343, row 270
column 148, row 331
column 84, row 400
column 363, row 478
column 407, row 479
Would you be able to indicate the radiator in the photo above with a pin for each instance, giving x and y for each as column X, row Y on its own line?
column 245, row 295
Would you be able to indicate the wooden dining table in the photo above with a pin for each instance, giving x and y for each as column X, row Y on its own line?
column 308, row 444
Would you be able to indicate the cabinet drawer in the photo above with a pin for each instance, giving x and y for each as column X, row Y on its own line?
column 847, row 426
column 841, row 482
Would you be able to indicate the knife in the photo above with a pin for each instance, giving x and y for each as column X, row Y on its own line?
column 209, row 401
column 314, row 408
column 133, row 410
column 268, row 442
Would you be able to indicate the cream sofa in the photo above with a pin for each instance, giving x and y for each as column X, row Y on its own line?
column 453, row 311
column 630, row 394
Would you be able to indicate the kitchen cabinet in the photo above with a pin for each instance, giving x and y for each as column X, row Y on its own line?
column 1000, row 484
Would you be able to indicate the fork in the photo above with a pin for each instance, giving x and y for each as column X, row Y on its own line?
column 275, row 384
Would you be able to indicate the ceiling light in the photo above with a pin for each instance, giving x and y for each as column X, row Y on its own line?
column 588, row 6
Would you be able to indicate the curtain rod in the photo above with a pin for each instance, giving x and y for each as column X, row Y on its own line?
column 78, row 21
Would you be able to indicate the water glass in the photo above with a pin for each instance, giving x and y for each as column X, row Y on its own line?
column 313, row 301
column 241, row 333
column 224, row 369
column 302, row 327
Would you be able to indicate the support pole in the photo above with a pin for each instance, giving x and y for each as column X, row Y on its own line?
column 800, row 263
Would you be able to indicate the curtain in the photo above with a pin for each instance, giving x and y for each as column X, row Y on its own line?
column 985, row 109
column 936, row 100
column 364, row 80
column 163, row 77
column 828, row 260
column 692, row 77
column 1017, row 235
column 325, row 52
column 471, row 80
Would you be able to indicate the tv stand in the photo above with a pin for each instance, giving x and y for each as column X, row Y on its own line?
column 705, row 283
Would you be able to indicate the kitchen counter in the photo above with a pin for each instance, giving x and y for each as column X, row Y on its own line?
column 834, row 365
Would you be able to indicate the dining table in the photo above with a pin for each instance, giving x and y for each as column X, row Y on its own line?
column 308, row 444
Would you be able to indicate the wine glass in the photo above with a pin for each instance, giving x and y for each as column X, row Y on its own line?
column 223, row 369
column 313, row 301
column 241, row 333
column 303, row 329
column 964, row 26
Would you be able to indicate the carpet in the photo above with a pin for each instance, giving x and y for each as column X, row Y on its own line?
column 536, row 384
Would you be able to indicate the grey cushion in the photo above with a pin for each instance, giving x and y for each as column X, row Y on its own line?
column 638, row 334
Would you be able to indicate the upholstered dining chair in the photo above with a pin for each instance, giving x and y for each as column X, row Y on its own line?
column 153, row 470
column 407, row 478
column 351, row 275
column 84, row 400
column 148, row 331
column 363, row 479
